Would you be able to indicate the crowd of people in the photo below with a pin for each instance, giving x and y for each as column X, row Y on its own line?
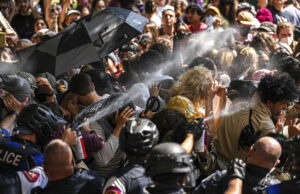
column 205, row 100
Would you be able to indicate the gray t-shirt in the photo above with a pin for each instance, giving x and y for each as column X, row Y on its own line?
column 110, row 158
column 293, row 13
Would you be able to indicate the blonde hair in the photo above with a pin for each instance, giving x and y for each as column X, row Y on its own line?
column 249, row 56
column 193, row 84
column 224, row 59
column 245, row 61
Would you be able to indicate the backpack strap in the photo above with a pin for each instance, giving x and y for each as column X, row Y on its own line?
column 250, row 115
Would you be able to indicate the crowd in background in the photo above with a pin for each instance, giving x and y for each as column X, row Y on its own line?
column 215, row 84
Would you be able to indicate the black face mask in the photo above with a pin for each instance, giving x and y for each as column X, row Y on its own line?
column 244, row 31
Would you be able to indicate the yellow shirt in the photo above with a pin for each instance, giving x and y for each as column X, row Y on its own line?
column 186, row 107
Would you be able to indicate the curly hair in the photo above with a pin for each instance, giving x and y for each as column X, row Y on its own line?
column 277, row 88
column 193, row 84
column 291, row 66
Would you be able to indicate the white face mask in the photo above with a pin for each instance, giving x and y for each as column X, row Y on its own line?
column 287, row 40
column 210, row 20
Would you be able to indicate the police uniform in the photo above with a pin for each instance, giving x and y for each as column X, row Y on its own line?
column 23, row 181
column 81, row 182
column 290, row 187
column 130, row 179
column 18, row 154
column 165, row 189
column 257, row 180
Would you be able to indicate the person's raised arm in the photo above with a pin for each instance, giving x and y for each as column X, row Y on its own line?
column 193, row 133
column 13, row 10
column 12, row 104
column 34, row 11
column 66, row 5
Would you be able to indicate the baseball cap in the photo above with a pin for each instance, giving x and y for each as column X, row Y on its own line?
column 246, row 6
column 169, row 7
column 268, row 27
column 73, row 11
column 246, row 18
column 28, row 77
column 214, row 9
column 15, row 85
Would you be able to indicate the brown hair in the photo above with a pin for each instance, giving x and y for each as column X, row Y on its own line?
column 265, row 42
column 283, row 25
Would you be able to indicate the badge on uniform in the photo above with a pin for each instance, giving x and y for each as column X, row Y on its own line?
column 31, row 176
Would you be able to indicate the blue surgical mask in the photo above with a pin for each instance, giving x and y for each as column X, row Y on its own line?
column 210, row 20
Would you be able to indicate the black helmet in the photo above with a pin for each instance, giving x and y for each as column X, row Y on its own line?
column 38, row 119
column 168, row 158
column 138, row 136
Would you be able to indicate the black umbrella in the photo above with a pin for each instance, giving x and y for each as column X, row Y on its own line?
column 83, row 42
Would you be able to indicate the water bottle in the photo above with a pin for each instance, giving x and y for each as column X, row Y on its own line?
column 80, row 152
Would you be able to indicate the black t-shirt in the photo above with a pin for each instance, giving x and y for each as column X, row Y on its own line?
column 278, row 16
column 23, row 25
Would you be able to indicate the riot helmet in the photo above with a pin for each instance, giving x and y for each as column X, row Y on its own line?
column 138, row 136
column 168, row 158
column 40, row 120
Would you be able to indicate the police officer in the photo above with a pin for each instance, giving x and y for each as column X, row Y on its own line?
column 23, row 181
column 136, row 140
column 168, row 164
column 64, row 178
column 23, row 150
column 262, row 158
column 293, row 185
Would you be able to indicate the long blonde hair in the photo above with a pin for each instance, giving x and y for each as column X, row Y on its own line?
column 193, row 84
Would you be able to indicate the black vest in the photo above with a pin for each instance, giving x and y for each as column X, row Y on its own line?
column 133, row 178
column 18, row 151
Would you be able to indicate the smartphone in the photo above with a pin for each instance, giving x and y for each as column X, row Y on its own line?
column 2, row 40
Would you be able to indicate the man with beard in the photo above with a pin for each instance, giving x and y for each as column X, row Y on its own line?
column 23, row 21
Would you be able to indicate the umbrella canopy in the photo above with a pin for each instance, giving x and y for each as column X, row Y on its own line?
column 83, row 42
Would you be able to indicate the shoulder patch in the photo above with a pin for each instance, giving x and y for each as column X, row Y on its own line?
column 31, row 176
column 112, row 190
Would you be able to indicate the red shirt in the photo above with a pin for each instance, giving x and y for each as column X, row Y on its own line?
column 202, row 26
